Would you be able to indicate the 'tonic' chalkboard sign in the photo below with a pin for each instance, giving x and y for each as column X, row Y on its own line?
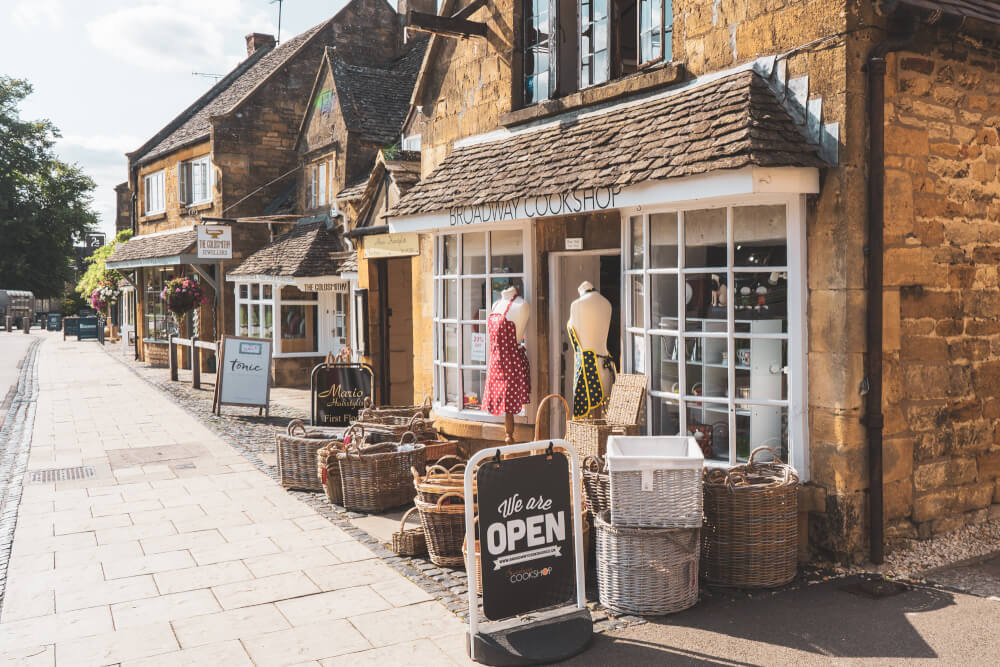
column 338, row 392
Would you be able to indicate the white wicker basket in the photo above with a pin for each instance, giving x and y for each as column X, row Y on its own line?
column 646, row 571
column 655, row 481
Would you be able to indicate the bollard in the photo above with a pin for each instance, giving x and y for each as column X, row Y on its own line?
column 9, row 323
column 195, row 363
column 172, row 358
column 27, row 325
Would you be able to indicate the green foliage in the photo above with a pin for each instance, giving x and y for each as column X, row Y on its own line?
column 391, row 152
column 72, row 304
column 45, row 204
column 96, row 272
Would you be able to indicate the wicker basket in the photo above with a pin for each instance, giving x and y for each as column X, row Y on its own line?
column 444, row 528
column 438, row 449
column 378, row 477
column 438, row 481
column 297, row 456
column 750, row 537
column 396, row 426
column 596, row 485
column 329, row 472
column 655, row 481
column 590, row 436
column 371, row 413
column 409, row 541
column 646, row 571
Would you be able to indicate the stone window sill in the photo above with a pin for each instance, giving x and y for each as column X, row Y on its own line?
column 153, row 217
column 649, row 79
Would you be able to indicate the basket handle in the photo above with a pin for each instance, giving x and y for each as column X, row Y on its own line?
column 591, row 462
column 426, row 403
column 449, row 495
column 296, row 425
column 402, row 522
column 538, row 413
column 355, row 428
column 457, row 468
column 350, row 448
column 368, row 402
column 763, row 448
column 413, row 437
column 416, row 419
column 416, row 476
column 450, row 456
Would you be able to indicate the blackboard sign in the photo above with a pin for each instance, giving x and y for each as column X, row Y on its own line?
column 71, row 326
column 53, row 322
column 87, row 328
column 339, row 392
column 244, row 372
column 526, row 534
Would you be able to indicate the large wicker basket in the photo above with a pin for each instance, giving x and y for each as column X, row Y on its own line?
column 590, row 436
column 409, row 541
column 444, row 528
column 655, row 481
column 646, row 571
column 378, row 477
column 438, row 481
column 297, row 449
column 750, row 536
column 329, row 472
column 397, row 425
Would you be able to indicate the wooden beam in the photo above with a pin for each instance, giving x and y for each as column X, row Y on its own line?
column 444, row 25
column 469, row 10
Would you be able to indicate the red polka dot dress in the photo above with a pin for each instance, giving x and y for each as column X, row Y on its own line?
column 508, row 383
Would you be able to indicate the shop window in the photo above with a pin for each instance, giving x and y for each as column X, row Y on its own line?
column 471, row 270
column 254, row 310
column 194, row 181
column 707, row 319
column 153, row 201
column 159, row 323
column 299, row 321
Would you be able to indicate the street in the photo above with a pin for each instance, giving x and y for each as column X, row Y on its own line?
column 12, row 349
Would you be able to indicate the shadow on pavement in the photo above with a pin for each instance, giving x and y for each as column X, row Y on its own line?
column 833, row 619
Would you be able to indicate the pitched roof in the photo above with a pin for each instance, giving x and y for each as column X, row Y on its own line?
column 194, row 124
column 309, row 249
column 403, row 169
column 353, row 191
column 984, row 10
column 728, row 123
column 375, row 100
column 169, row 244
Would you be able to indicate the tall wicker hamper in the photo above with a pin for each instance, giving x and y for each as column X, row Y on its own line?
column 444, row 528
column 750, row 537
column 655, row 481
column 646, row 571
column 297, row 449
column 378, row 477
column 590, row 436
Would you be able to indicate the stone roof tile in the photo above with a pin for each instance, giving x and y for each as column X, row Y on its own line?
column 155, row 245
column 308, row 250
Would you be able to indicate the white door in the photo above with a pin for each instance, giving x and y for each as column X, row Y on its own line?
column 334, row 325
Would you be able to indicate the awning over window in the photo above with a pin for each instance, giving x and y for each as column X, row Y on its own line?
column 159, row 249
column 593, row 159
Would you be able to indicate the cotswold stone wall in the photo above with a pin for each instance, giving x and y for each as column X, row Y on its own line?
column 942, row 262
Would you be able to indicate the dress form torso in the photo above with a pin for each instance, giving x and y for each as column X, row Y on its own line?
column 518, row 311
column 508, row 379
column 589, row 320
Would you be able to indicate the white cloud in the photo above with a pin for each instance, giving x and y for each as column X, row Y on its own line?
column 32, row 14
column 118, row 145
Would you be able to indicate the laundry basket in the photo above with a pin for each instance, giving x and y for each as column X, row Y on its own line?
column 655, row 481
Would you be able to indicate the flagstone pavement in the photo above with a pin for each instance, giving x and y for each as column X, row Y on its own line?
column 178, row 551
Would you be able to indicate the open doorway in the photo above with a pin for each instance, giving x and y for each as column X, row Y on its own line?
column 602, row 268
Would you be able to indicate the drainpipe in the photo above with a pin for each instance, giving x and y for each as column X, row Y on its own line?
column 137, row 284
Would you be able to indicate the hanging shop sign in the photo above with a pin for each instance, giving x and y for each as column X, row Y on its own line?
column 244, row 373
column 215, row 242
column 379, row 246
column 87, row 328
column 338, row 392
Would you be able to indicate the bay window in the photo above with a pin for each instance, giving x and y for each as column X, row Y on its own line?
column 158, row 322
column 471, row 270
column 713, row 314
column 262, row 306
column 152, row 187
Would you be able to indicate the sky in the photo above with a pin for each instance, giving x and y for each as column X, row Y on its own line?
column 111, row 73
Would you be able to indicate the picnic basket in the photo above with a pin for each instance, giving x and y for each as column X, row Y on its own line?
column 750, row 535
column 409, row 541
column 646, row 571
column 590, row 436
column 296, row 449
column 444, row 528
column 377, row 477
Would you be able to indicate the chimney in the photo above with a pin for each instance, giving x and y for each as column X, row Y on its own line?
column 258, row 40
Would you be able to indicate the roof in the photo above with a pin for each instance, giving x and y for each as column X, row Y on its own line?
column 309, row 249
column 375, row 100
column 194, row 123
column 731, row 122
column 355, row 190
column 150, row 246
column 984, row 10
column 403, row 169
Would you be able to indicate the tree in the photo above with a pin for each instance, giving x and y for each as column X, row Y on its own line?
column 96, row 271
column 45, row 204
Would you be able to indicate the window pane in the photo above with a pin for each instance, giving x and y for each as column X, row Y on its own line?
column 254, row 320
column 760, row 236
column 638, row 302
column 244, row 290
column 507, row 252
column 709, row 426
column 705, row 238
column 255, row 291
column 450, row 343
column 267, row 292
column 244, row 319
column 702, row 296
column 663, row 241
column 451, row 386
column 664, row 300
column 639, row 354
column 600, row 68
column 664, row 374
column 760, row 364
column 474, row 305
column 449, row 258
column 474, row 344
column 267, row 329
column 665, row 416
column 761, row 426
column 473, row 382
column 636, row 242
column 298, row 328
column 498, row 285
column 450, row 296
column 474, row 253
column 761, row 296
column 693, row 368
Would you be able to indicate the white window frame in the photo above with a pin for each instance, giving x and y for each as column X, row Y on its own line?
column 316, row 194
column 276, row 303
column 186, row 192
column 797, row 389
column 154, row 201
column 411, row 142
column 439, row 365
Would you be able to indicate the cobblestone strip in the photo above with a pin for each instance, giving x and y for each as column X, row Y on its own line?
column 252, row 435
column 15, row 441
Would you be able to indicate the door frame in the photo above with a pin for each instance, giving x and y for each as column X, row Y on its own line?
column 555, row 304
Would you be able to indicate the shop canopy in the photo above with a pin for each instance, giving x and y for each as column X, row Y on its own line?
column 311, row 254
column 639, row 152
column 159, row 249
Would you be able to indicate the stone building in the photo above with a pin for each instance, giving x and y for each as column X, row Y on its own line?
column 228, row 155
column 123, row 207
column 725, row 156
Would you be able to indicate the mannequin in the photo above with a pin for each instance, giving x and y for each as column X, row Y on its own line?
column 589, row 320
column 508, row 378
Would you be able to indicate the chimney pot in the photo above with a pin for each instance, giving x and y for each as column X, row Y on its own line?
column 258, row 40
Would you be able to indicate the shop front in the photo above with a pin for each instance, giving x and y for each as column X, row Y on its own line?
column 697, row 245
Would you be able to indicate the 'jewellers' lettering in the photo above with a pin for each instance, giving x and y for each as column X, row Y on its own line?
column 537, row 206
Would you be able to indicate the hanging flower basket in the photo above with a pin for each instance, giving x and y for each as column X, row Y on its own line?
column 104, row 296
column 182, row 295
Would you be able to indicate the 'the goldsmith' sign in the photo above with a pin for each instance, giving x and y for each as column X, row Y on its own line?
column 526, row 534
column 215, row 242
column 244, row 372
column 339, row 392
